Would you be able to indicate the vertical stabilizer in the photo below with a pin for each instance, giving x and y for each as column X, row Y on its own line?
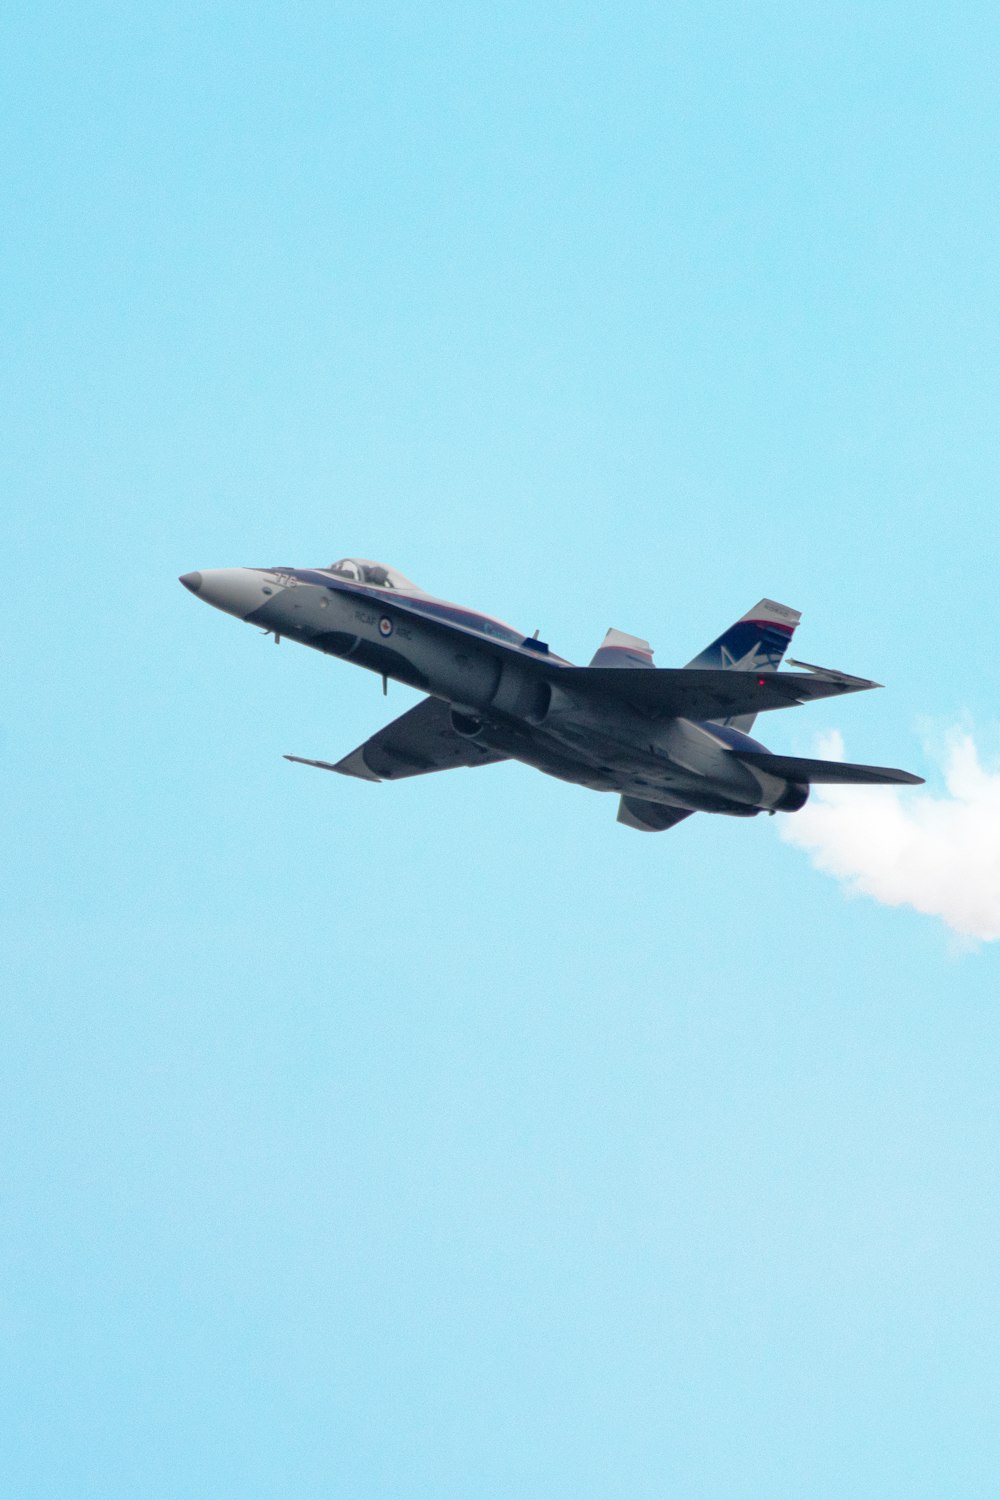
column 756, row 642
column 649, row 817
column 620, row 650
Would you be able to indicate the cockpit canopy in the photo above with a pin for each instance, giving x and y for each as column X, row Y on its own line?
column 372, row 575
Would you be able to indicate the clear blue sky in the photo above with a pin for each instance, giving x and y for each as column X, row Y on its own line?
column 447, row 1139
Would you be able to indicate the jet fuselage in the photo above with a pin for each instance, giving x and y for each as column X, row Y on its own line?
column 503, row 688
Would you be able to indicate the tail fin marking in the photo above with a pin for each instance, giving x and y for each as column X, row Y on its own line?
column 756, row 642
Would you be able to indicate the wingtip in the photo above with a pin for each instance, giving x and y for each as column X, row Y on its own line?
column 319, row 765
column 830, row 674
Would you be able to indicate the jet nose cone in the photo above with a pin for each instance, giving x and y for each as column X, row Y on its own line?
column 237, row 591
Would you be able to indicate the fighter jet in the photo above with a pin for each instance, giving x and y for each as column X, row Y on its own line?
column 669, row 741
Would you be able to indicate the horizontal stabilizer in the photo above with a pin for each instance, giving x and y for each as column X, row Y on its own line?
column 649, row 817
column 705, row 693
column 833, row 772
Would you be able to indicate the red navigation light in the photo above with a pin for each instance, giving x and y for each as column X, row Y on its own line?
column 761, row 681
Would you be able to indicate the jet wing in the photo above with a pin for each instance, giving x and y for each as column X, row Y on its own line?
column 419, row 741
column 705, row 693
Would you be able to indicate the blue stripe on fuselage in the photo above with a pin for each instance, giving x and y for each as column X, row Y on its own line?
column 434, row 608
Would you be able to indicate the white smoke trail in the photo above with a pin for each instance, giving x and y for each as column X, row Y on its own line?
column 908, row 847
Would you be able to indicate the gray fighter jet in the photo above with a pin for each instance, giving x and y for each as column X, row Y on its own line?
column 669, row 741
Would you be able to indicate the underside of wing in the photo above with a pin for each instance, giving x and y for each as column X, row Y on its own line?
column 418, row 742
column 701, row 693
column 649, row 817
column 832, row 772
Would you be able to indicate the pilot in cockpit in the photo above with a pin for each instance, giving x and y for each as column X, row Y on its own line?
column 371, row 573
